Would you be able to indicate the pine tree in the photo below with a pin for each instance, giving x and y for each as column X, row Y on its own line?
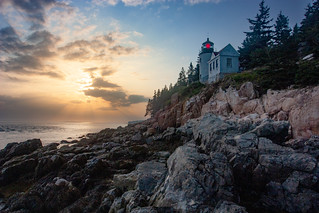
column 170, row 87
column 282, row 30
column 196, row 75
column 182, row 80
column 260, row 26
column 190, row 73
column 254, row 47
column 309, row 30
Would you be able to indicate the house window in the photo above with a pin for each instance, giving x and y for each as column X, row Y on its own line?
column 229, row 63
column 210, row 67
column 216, row 63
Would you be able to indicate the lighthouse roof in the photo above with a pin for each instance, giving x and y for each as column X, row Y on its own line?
column 207, row 42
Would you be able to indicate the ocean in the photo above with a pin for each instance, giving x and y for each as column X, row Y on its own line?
column 48, row 132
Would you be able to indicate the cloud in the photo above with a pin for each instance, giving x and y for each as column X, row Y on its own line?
column 137, row 2
column 106, row 71
column 25, row 57
column 100, row 82
column 120, row 50
column 10, row 41
column 126, row 2
column 91, row 69
column 34, row 11
column 117, row 98
column 146, row 2
column 192, row 2
column 29, row 65
column 101, row 2
column 83, row 50
column 98, row 48
column 15, row 79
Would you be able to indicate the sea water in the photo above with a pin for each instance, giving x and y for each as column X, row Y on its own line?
column 48, row 132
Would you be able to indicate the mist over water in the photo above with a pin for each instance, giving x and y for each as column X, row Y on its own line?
column 48, row 132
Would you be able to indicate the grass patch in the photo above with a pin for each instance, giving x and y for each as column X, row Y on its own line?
column 303, row 74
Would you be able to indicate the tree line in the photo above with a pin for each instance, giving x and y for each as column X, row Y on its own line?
column 289, row 54
column 186, row 84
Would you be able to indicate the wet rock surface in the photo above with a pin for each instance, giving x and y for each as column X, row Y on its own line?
column 209, row 164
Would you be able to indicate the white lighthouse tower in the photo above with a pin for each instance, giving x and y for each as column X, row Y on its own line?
column 204, row 56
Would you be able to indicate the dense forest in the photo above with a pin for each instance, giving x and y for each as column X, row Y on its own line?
column 272, row 56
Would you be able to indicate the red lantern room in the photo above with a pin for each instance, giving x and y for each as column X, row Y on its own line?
column 207, row 47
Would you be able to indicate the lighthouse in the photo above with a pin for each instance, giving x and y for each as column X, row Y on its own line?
column 213, row 66
column 204, row 56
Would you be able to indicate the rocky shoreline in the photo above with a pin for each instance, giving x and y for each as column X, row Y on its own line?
column 211, row 163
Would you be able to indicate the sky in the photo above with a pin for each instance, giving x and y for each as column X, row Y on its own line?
column 101, row 60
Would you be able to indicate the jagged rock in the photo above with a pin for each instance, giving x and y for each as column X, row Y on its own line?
column 305, row 118
column 137, row 137
column 149, row 176
column 12, row 171
column 133, row 199
column 145, row 178
column 247, row 90
column 170, row 134
column 48, row 164
column 150, row 131
column 125, row 181
column 117, row 205
column 288, row 197
column 44, row 198
column 50, row 147
column 21, row 203
column 277, row 131
column 194, row 179
column 266, row 146
column 18, row 149
column 95, row 167
column 144, row 210
column 211, row 128
column 229, row 207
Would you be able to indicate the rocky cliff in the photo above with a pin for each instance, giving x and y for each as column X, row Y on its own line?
column 298, row 106
column 236, row 154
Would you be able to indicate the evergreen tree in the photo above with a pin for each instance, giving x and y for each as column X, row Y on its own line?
column 170, row 87
column 282, row 29
column 182, row 80
column 155, row 95
column 309, row 30
column 260, row 26
column 190, row 73
column 257, row 41
column 196, row 74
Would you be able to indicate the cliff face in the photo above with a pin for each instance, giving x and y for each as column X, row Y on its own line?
column 298, row 106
